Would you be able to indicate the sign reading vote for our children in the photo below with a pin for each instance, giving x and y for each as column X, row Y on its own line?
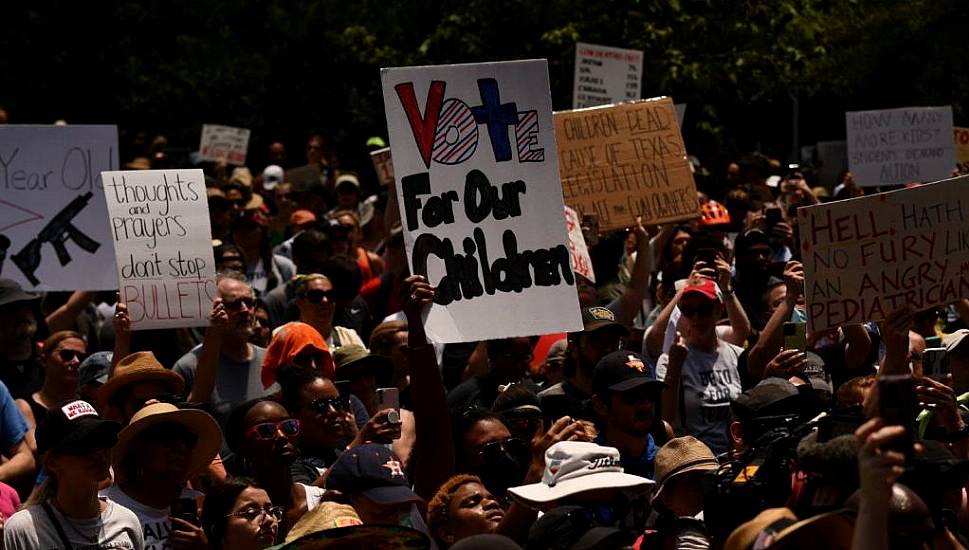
column 480, row 200
column 159, row 222
column 53, row 234
column 865, row 257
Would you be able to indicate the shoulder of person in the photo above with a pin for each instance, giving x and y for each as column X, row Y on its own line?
column 188, row 361
column 727, row 347
column 24, row 522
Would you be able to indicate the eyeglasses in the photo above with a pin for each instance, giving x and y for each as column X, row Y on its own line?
column 512, row 446
column 268, row 430
column 236, row 305
column 254, row 514
column 339, row 404
column 316, row 295
column 67, row 355
column 703, row 311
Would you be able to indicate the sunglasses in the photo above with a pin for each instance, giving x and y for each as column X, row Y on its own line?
column 170, row 436
column 268, row 430
column 703, row 311
column 236, row 305
column 253, row 514
column 67, row 355
column 339, row 404
column 316, row 295
column 512, row 446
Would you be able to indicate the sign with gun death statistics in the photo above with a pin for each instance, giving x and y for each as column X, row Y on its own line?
column 159, row 222
column 52, row 214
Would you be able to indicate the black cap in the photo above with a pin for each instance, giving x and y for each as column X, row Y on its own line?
column 95, row 368
column 622, row 371
column 373, row 471
column 11, row 292
column 575, row 527
column 74, row 427
column 770, row 397
column 595, row 318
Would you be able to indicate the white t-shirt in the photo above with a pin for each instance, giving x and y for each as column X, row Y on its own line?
column 32, row 529
column 154, row 521
column 314, row 495
column 709, row 382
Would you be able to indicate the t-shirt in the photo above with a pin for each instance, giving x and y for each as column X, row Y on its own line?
column 709, row 382
column 32, row 529
column 13, row 427
column 314, row 495
column 154, row 521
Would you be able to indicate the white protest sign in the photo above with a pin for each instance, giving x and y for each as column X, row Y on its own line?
column 680, row 113
column 224, row 142
column 51, row 206
column 867, row 256
column 605, row 75
column 581, row 261
column 480, row 199
column 383, row 165
column 896, row 146
column 159, row 223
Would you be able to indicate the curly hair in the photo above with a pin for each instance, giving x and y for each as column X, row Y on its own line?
column 437, row 509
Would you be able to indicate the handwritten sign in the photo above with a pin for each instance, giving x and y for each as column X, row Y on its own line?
column 224, row 142
column 384, row 165
column 865, row 257
column 898, row 146
column 159, row 223
column 962, row 149
column 605, row 75
column 623, row 161
column 581, row 261
column 477, row 181
column 51, row 206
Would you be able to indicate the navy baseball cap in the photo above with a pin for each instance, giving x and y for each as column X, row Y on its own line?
column 622, row 371
column 373, row 471
column 74, row 427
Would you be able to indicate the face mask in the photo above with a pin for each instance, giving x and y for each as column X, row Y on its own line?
column 504, row 472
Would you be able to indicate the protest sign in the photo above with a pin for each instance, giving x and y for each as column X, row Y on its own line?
column 605, row 75
column 480, row 203
column 51, row 208
column 623, row 161
column 896, row 146
column 159, row 223
column 581, row 261
column 224, row 142
column 384, row 165
column 865, row 257
column 962, row 149
column 680, row 113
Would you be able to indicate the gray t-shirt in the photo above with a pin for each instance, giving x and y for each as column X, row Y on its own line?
column 32, row 529
column 709, row 382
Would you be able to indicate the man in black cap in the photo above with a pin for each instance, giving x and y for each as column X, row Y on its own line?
column 20, row 326
column 772, row 403
column 601, row 334
column 626, row 401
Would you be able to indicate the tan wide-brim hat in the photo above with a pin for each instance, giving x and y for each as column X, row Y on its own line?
column 679, row 456
column 136, row 367
column 778, row 528
column 200, row 423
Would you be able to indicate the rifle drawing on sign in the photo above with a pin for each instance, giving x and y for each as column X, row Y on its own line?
column 58, row 231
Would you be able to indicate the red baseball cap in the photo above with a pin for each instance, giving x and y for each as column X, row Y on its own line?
column 706, row 288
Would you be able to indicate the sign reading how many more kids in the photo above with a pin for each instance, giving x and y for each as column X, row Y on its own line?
column 897, row 146
column 224, row 142
column 53, row 233
column 605, row 75
column 480, row 201
column 159, row 222
column 865, row 257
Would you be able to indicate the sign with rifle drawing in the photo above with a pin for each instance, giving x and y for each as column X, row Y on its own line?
column 54, row 232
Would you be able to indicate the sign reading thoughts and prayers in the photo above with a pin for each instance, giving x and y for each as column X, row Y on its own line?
column 383, row 165
column 865, row 257
column 480, row 202
column 605, row 75
column 623, row 161
column 53, row 233
column 159, row 222
column 898, row 146
column 224, row 142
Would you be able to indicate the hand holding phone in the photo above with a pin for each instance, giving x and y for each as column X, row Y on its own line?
column 896, row 403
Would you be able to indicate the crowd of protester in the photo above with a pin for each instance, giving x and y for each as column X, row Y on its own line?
column 313, row 408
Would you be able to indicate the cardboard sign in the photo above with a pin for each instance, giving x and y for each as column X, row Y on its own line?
column 624, row 161
column 865, row 257
column 384, row 165
column 897, row 146
column 962, row 149
column 581, row 261
column 480, row 203
column 224, row 142
column 51, row 208
column 159, row 223
column 605, row 75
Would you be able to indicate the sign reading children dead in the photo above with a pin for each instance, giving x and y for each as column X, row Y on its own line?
column 480, row 202
column 53, row 233
column 898, row 146
column 605, row 75
column 160, row 228
column 623, row 161
column 865, row 257
column 224, row 142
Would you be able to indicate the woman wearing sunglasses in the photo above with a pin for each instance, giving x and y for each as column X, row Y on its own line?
column 239, row 515
column 60, row 356
column 265, row 436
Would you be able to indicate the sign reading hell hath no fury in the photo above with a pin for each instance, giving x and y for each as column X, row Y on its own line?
column 623, row 161
column 865, row 257
column 160, row 227
column 480, row 202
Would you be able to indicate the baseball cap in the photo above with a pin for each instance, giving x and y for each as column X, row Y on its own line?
column 75, row 427
column 347, row 178
column 704, row 287
column 373, row 471
column 95, row 368
column 595, row 318
column 301, row 217
column 272, row 176
column 770, row 397
column 353, row 360
column 622, row 371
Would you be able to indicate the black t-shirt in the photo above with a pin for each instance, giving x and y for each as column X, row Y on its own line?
column 22, row 378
